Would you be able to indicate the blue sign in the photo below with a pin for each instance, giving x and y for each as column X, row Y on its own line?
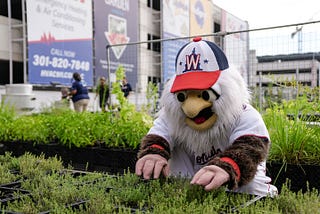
column 59, row 41
column 116, row 22
column 57, row 61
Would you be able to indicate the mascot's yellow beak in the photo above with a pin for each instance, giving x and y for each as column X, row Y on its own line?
column 198, row 111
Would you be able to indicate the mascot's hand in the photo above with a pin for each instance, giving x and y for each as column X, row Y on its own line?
column 152, row 164
column 211, row 177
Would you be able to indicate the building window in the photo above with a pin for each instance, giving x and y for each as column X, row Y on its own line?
column 16, row 9
column 216, row 29
column 154, row 46
column 154, row 4
column 154, row 80
column 17, row 72
column 289, row 71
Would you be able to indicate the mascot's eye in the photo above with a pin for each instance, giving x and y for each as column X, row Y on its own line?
column 205, row 95
column 209, row 94
column 181, row 96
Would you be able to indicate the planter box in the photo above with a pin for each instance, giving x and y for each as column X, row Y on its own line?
column 301, row 177
column 111, row 160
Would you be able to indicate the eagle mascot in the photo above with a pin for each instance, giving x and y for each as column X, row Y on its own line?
column 206, row 128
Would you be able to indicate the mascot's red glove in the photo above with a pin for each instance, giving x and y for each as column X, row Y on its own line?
column 211, row 177
column 152, row 165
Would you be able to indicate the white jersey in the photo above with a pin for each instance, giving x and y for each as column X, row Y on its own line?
column 186, row 163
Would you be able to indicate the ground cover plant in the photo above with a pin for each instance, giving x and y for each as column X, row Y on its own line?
column 33, row 184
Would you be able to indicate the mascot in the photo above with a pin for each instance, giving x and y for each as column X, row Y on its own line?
column 206, row 128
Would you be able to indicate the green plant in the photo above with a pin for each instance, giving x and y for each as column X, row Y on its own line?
column 122, row 128
column 7, row 116
column 129, row 125
column 30, row 128
column 7, row 168
column 77, row 130
column 293, row 139
column 152, row 97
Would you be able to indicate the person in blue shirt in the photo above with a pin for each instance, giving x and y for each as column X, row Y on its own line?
column 79, row 93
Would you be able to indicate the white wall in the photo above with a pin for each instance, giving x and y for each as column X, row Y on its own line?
column 17, row 48
column 46, row 99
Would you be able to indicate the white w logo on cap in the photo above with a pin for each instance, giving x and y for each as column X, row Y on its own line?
column 192, row 62
column 198, row 66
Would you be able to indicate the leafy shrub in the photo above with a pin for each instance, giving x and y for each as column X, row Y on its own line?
column 294, row 138
column 111, row 129
column 7, row 116
column 122, row 127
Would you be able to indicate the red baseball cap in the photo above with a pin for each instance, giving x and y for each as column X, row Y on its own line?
column 198, row 65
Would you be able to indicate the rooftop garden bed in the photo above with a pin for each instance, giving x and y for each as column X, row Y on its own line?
column 34, row 184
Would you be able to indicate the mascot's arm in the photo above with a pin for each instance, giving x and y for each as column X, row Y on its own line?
column 154, row 144
column 153, row 157
column 241, row 159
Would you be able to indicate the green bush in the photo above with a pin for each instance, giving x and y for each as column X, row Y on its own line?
column 122, row 127
column 7, row 116
column 72, row 129
column 295, row 139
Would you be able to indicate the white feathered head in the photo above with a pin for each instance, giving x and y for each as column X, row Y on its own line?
column 205, row 98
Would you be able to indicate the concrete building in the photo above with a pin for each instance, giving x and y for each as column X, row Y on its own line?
column 302, row 68
column 14, row 46
column 277, row 76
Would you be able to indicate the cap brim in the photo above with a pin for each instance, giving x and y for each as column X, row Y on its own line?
column 196, row 80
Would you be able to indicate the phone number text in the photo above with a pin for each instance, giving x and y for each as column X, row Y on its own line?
column 57, row 62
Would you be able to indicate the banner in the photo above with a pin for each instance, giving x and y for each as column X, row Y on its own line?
column 116, row 22
column 59, row 41
column 201, row 17
column 171, row 28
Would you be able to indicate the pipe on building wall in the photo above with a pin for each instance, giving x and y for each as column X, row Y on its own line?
column 10, row 42
column 24, row 33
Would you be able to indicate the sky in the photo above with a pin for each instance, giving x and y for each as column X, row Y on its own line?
column 271, row 13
